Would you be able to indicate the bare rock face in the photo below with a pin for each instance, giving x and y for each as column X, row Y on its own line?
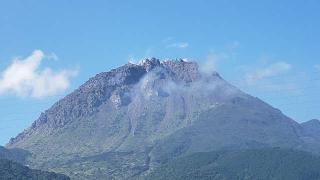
column 150, row 64
column 109, row 85
column 122, row 123
column 86, row 100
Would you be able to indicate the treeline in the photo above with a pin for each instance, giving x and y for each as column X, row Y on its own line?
column 10, row 170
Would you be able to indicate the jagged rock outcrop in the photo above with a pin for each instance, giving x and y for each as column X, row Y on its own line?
column 123, row 123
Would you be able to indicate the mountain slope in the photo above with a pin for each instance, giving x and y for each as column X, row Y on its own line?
column 13, row 171
column 262, row 164
column 126, row 122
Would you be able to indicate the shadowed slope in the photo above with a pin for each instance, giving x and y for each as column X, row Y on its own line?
column 262, row 164
column 13, row 171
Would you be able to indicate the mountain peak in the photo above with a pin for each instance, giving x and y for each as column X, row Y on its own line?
column 114, row 85
column 149, row 64
column 145, row 114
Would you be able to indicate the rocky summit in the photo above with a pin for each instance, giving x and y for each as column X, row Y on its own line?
column 124, row 123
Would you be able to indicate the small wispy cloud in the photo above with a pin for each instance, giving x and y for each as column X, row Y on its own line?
column 317, row 67
column 274, row 77
column 167, row 39
column 180, row 45
column 24, row 77
column 234, row 45
column 210, row 64
column 267, row 72
column 212, row 60
column 170, row 42
column 52, row 56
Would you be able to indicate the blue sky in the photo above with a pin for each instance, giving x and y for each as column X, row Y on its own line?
column 267, row 48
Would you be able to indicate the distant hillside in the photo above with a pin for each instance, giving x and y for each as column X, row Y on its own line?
column 262, row 164
column 312, row 128
column 16, row 155
column 13, row 171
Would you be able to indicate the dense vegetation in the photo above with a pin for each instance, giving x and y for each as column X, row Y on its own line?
column 16, row 155
column 259, row 164
column 13, row 171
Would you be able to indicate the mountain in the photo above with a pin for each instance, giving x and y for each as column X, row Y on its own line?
column 126, row 122
column 13, row 171
column 262, row 164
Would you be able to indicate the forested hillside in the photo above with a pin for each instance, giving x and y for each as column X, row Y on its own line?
column 13, row 171
column 262, row 164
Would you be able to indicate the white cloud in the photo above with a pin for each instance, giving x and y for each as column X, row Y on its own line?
column 274, row 78
column 266, row 72
column 317, row 67
column 52, row 56
column 24, row 77
column 132, row 59
column 168, row 39
column 211, row 62
column 210, row 65
column 180, row 45
column 234, row 45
